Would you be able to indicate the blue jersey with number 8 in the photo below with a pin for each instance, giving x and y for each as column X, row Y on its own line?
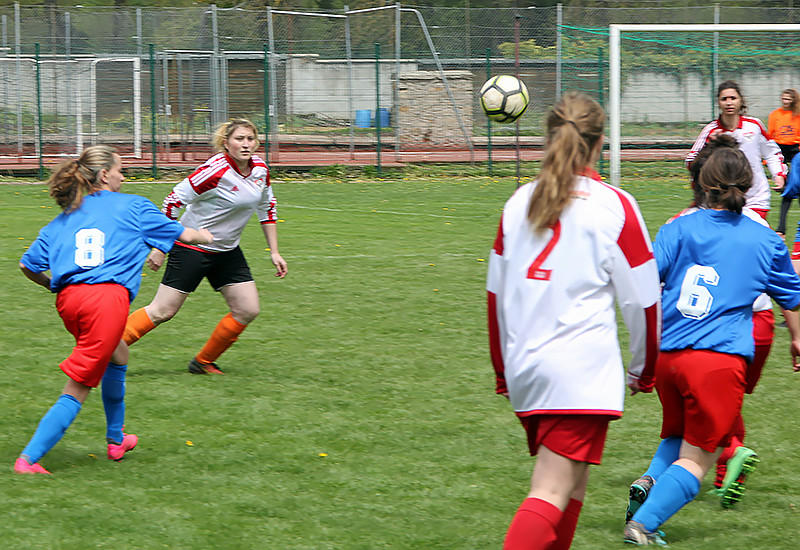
column 713, row 265
column 106, row 240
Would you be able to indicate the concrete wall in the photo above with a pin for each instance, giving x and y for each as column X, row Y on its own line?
column 315, row 85
column 658, row 97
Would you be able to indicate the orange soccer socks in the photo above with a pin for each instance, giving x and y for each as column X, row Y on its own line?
column 138, row 325
column 223, row 337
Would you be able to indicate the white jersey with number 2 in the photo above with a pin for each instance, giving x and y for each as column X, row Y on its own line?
column 551, row 302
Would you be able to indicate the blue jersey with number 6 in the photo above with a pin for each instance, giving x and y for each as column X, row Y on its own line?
column 106, row 240
column 713, row 265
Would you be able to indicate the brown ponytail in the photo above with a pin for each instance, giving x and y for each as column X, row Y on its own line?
column 574, row 128
column 725, row 179
column 74, row 179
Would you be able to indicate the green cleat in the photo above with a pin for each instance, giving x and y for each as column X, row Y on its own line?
column 742, row 463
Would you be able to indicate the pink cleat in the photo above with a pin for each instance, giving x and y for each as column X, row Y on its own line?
column 21, row 466
column 117, row 452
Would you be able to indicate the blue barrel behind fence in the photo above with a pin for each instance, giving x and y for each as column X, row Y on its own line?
column 383, row 117
column 363, row 118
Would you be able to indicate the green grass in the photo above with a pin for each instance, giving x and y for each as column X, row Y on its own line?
column 358, row 409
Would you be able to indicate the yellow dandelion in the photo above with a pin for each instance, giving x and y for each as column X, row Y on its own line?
column 190, row 444
column 481, row 260
column 323, row 455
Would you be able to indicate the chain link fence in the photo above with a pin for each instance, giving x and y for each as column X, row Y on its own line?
column 153, row 82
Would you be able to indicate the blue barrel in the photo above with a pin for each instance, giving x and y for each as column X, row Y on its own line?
column 383, row 117
column 363, row 118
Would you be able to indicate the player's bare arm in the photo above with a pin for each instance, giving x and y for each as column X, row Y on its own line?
column 271, row 234
column 39, row 278
column 793, row 324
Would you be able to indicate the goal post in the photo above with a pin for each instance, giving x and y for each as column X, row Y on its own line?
column 615, row 78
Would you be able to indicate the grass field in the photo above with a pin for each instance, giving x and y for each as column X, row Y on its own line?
column 357, row 411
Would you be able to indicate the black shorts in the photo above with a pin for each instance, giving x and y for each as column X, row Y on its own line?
column 186, row 267
column 789, row 151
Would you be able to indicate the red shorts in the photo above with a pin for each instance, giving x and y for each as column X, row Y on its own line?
column 701, row 395
column 579, row 437
column 95, row 315
column 763, row 333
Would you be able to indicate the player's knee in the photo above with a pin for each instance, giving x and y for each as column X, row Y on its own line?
column 160, row 314
column 120, row 355
column 247, row 314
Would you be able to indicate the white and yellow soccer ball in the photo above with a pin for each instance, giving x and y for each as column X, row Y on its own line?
column 504, row 98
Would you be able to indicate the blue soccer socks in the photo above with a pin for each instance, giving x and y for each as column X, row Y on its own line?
column 675, row 488
column 668, row 452
column 113, row 392
column 52, row 427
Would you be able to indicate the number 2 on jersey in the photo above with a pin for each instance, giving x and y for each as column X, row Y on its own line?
column 695, row 299
column 89, row 251
column 535, row 270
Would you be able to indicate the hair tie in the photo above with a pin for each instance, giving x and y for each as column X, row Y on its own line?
column 78, row 163
column 574, row 125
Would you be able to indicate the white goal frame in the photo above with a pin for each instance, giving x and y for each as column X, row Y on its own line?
column 614, row 142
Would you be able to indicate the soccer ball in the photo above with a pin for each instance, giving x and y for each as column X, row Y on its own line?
column 504, row 98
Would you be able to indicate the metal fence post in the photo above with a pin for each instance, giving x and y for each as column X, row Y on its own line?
column 266, row 103
column 396, row 98
column 489, row 120
column 18, row 51
column 350, row 107
column 273, row 82
column 154, row 168
column 39, row 113
column 559, row 26
column 378, row 103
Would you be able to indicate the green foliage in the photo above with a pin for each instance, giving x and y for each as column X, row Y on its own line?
column 357, row 412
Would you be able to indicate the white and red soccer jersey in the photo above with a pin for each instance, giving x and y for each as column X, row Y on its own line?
column 756, row 143
column 219, row 198
column 552, row 319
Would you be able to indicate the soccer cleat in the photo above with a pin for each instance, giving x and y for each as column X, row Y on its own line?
column 638, row 494
column 117, row 452
column 742, row 463
column 21, row 466
column 635, row 534
column 196, row 367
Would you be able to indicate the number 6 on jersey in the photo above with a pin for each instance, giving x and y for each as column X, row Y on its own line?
column 695, row 299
